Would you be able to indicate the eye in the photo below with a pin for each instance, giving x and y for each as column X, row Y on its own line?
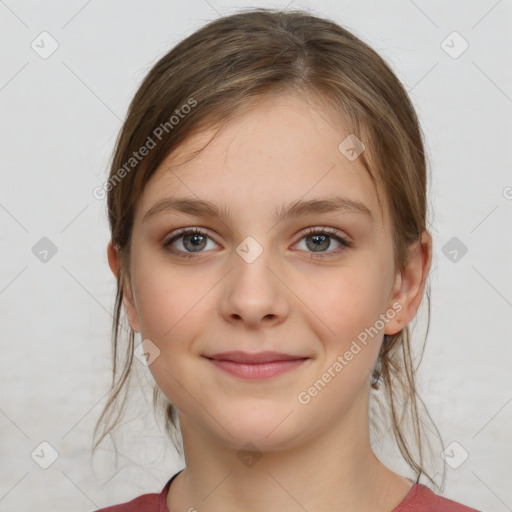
column 194, row 240
column 318, row 240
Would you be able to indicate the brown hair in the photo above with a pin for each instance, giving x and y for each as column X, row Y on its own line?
column 221, row 70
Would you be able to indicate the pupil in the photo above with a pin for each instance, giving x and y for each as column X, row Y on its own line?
column 318, row 240
column 196, row 240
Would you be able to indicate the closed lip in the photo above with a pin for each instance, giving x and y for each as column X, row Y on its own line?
column 254, row 357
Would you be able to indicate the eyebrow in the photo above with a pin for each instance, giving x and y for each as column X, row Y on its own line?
column 297, row 208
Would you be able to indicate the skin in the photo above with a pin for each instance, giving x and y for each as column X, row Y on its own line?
column 315, row 456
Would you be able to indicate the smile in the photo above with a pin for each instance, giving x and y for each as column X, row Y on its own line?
column 257, row 370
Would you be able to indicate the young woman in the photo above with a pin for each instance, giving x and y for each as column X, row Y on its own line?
column 267, row 204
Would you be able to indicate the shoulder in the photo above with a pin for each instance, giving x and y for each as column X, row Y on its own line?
column 146, row 502
column 143, row 503
column 152, row 502
column 422, row 499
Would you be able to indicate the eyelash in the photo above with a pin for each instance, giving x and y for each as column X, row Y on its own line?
column 345, row 244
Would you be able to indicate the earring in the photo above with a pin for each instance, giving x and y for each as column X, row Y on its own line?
column 377, row 370
column 376, row 373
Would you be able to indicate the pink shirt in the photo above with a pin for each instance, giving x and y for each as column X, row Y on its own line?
column 419, row 499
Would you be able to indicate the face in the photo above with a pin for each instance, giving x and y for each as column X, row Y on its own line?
column 309, row 284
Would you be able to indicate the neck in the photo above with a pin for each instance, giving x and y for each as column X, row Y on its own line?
column 334, row 470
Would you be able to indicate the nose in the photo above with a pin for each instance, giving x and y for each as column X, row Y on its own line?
column 254, row 293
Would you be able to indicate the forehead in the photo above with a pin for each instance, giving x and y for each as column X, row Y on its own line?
column 284, row 148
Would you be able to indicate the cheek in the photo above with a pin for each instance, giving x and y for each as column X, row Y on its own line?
column 349, row 299
column 349, row 303
column 169, row 309
column 350, row 307
column 166, row 301
column 155, row 308
column 173, row 311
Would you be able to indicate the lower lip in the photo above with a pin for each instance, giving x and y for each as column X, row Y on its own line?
column 259, row 370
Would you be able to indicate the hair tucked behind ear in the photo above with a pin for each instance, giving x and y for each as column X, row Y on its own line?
column 229, row 65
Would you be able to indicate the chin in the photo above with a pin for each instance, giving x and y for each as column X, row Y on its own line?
column 268, row 430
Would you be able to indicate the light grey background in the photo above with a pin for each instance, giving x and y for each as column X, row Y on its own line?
column 59, row 119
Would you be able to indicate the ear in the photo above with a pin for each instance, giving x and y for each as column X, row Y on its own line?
column 128, row 301
column 409, row 285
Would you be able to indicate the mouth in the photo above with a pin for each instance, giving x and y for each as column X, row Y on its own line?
column 258, row 365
